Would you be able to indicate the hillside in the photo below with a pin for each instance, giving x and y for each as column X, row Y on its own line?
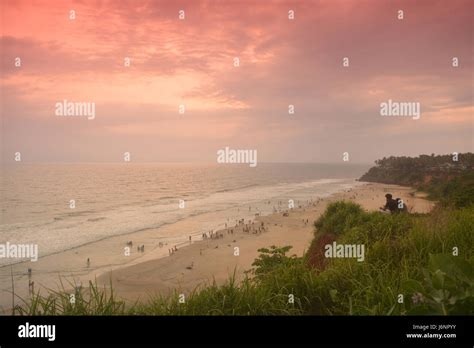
column 447, row 180
column 416, row 171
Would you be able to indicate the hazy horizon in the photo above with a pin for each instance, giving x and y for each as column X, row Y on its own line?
column 199, row 162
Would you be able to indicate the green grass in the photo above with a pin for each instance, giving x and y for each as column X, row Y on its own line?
column 402, row 249
column 92, row 300
column 457, row 192
column 409, row 255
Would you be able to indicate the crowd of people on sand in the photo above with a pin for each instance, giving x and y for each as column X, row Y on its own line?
column 173, row 250
column 213, row 235
column 140, row 248
column 248, row 227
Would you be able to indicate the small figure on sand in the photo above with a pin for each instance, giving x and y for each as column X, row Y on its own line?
column 88, row 262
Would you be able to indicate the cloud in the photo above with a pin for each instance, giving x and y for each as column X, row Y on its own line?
column 282, row 62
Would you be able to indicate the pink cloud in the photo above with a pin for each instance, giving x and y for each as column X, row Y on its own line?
column 283, row 62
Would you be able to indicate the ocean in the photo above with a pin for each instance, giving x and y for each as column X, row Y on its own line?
column 118, row 199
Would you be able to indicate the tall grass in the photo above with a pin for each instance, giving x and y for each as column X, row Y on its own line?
column 92, row 300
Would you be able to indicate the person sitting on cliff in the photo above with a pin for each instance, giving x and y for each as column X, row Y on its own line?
column 391, row 204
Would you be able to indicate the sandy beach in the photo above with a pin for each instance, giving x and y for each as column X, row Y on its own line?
column 202, row 262
column 196, row 263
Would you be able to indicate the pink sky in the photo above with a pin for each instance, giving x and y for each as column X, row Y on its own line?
column 190, row 62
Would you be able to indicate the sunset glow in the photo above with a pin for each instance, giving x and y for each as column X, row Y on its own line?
column 190, row 62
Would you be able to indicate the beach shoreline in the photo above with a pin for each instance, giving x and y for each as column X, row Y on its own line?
column 214, row 260
column 197, row 263
column 166, row 227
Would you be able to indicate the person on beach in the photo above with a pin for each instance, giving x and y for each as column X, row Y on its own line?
column 31, row 287
column 390, row 204
column 88, row 262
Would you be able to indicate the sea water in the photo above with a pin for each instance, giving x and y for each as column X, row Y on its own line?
column 118, row 199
